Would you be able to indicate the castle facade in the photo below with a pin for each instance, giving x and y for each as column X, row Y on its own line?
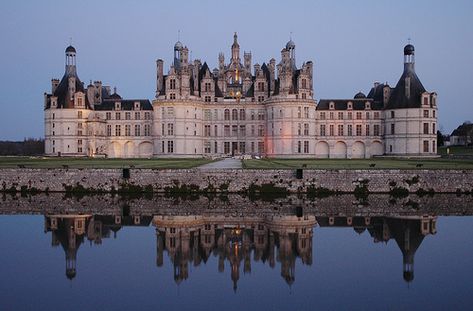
column 239, row 109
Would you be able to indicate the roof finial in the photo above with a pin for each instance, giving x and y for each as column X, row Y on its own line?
column 290, row 35
column 70, row 40
column 115, row 90
column 409, row 40
column 178, row 35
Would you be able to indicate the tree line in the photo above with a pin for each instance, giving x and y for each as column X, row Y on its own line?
column 27, row 147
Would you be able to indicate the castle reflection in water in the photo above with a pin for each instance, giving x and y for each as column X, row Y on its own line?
column 274, row 239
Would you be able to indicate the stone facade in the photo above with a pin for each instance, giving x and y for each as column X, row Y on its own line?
column 239, row 109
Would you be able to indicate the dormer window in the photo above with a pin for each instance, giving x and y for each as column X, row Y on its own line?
column 332, row 106
column 172, row 84
column 118, row 106
column 350, row 105
column 426, row 101
column 137, row 105
column 367, row 105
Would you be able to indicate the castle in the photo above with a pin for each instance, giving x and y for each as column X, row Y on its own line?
column 236, row 109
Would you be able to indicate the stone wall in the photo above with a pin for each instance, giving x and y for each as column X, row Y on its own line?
column 235, row 205
column 106, row 180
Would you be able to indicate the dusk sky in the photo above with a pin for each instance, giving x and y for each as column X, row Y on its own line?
column 352, row 43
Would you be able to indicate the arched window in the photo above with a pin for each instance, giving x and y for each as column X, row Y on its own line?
column 227, row 114
column 234, row 114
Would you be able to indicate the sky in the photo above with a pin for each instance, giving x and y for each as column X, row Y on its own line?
column 352, row 44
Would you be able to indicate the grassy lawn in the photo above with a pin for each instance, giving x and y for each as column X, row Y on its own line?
column 39, row 162
column 357, row 164
column 456, row 150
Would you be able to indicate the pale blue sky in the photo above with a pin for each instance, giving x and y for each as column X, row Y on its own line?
column 352, row 43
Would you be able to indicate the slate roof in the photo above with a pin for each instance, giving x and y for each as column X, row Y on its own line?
column 342, row 104
column 63, row 100
column 463, row 130
column 398, row 98
column 126, row 104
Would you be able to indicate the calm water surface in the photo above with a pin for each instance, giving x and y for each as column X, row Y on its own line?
column 199, row 262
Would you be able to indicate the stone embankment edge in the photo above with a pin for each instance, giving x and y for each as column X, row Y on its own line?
column 179, row 181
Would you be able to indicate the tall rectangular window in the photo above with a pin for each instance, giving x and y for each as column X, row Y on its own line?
column 226, row 147
column 392, row 129
column 306, row 112
column 117, row 115
column 147, row 130
column 350, row 130
column 226, row 131
column 207, row 147
column 108, row 115
column 170, row 129
column 367, row 130
column 358, row 130
column 340, row 130
column 260, row 130
column 306, row 129
column 306, row 146
column 170, row 146
column 117, row 130
column 137, row 130
column 322, row 130
column 426, row 146
column 376, row 130
column 127, row 115
column 127, row 130
column 242, row 114
column 426, row 128
column 234, row 130
column 332, row 130
column 109, row 130
column 207, row 130
column 137, row 115
column 340, row 115
column 207, row 114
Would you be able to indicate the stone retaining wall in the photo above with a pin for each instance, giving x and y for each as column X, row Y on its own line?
column 236, row 180
column 235, row 205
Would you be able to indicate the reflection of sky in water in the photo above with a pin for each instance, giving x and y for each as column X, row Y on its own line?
column 348, row 271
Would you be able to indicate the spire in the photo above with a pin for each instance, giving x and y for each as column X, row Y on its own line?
column 235, row 49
